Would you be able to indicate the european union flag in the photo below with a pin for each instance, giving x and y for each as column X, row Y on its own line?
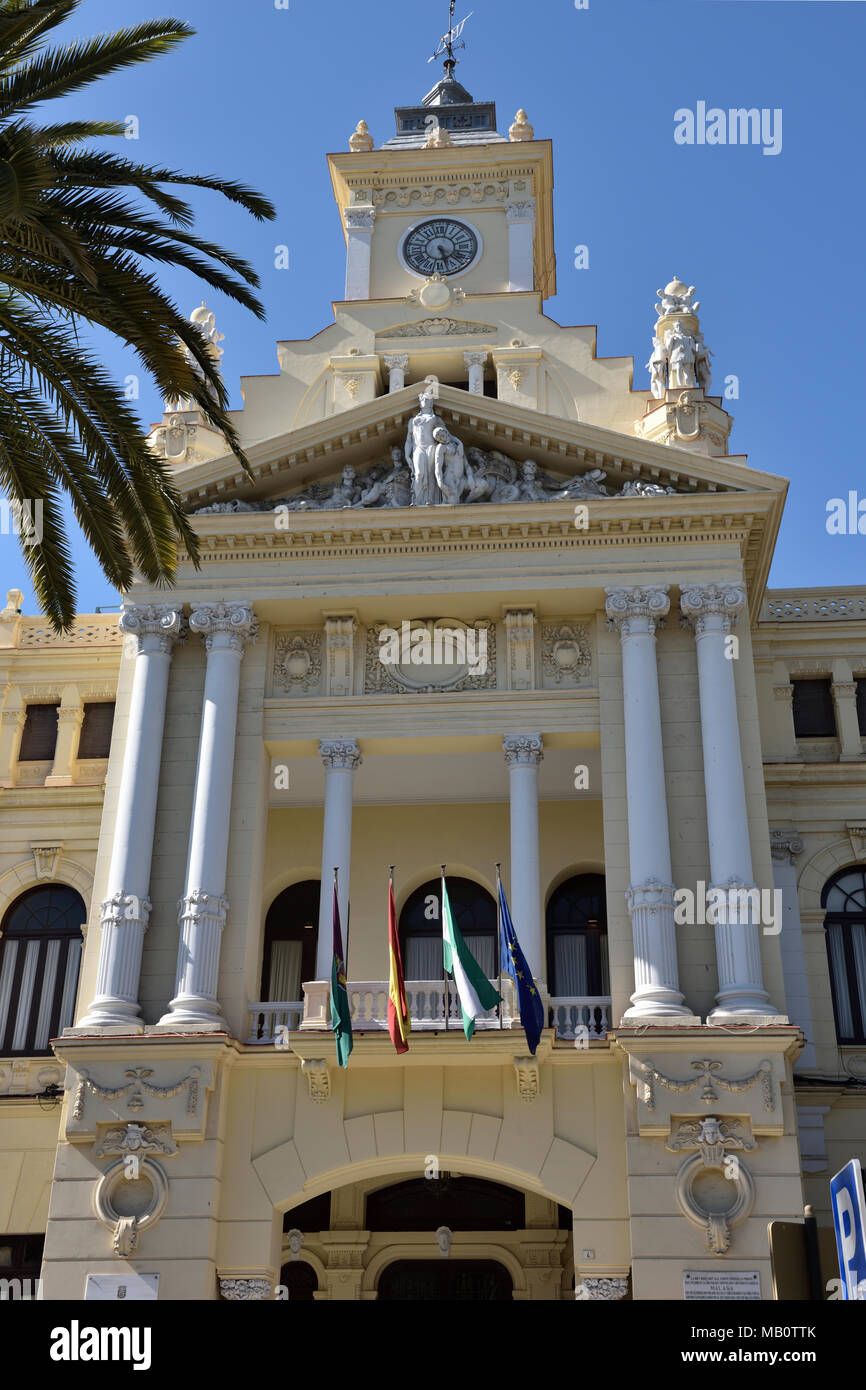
column 512, row 962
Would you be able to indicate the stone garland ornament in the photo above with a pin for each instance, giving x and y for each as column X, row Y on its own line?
column 135, row 1088
column 709, row 1072
column 435, row 468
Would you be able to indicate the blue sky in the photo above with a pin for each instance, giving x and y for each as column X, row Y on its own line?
column 774, row 244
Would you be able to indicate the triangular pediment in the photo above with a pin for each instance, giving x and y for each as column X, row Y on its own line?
column 563, row 450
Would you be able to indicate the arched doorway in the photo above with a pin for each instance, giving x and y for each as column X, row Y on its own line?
column 300, row 1281
column 455, row 1281
column 421, row 927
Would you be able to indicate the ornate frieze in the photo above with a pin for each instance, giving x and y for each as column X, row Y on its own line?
column 708, row 1074
column 427, row 656
column 441, row 328
column 138, row 1084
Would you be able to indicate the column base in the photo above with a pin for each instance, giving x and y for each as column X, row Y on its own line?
column 105, row 1030
column 189, row 1014
column 656, row 1018
column 109, row 1015
column 724, row 1017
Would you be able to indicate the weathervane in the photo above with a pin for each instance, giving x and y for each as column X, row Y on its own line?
column 450, row 41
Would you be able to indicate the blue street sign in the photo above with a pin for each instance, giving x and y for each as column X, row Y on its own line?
column 849, row 1218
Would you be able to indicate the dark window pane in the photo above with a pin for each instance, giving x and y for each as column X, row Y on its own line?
column 814, row 715
column 312, row 1216
column 463, row 1204
column 844, row 897
column 95, row 738
column 300, row 1280
column 40, row 734
column 861, row 706
column 40, row 953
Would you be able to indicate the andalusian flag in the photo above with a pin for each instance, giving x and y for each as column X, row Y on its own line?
column 341, row 1013
column 475, row 991
column 399, row 1025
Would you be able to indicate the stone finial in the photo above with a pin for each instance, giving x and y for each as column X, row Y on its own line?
column 14, row 599
column 521, row 130
column 361, row 140
column 438, row 139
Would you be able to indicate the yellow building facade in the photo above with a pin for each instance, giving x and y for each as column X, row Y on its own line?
column 481, row 601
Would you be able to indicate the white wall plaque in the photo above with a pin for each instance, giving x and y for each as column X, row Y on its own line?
column 707, row 1285
column 116, row 1288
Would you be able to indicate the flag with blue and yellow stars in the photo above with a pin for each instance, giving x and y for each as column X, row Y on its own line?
column 513, row 963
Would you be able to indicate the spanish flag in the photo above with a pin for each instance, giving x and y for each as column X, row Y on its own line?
column 398, row 1008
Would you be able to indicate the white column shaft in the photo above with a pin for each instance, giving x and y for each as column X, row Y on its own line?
column 523, row 755
column 712, row 609
column 125, row 912
column 204, row 907
column 340, row 760
column 650, row 896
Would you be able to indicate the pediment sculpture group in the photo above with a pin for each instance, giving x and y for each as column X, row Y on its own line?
column 435, row 468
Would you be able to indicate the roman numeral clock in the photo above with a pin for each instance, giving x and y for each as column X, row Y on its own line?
column 440, row 246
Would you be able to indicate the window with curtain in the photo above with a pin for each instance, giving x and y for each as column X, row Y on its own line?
column 577, row 961
column 291, row 931
column 421, row 927
column 844, row 898
column 40, row 956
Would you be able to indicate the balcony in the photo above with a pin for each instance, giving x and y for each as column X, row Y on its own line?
column 574, row 1018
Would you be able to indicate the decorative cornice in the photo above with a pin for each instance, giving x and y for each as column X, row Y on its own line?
column 340, row 753
column 700, row 603
column 637, row 610
column 523, row 750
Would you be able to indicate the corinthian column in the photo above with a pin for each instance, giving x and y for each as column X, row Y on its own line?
column 712, row 610
column 226, row 629
column 340, row 758
column 635, row 613
column 523, row 754
column 125, row 912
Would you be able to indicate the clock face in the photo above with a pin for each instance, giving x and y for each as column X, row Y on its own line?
column 440, row 246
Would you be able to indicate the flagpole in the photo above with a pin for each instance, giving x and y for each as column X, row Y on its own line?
column 499, row 939
column 444, row 971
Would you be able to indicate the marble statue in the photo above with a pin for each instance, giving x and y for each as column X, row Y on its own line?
column 677, row 298
column 657, row 367
column 421, row 449
column 703, row 371
column 392, row 487
column 681, row 349
column 450, row 467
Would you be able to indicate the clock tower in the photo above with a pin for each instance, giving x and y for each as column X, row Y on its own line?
column 448, row 203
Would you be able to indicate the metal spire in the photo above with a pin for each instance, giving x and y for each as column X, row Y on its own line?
column 450, row 41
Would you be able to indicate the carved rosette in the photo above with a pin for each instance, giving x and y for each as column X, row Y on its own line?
column 637, row 610
column 785, row 845
column 124, row 907
column 608, row 1289
column 523, row 750
column 298, row 661
column 342, row 754
column 225, row 625
column 207, row 909
column 712, row 607
column 566, row 655
column 156, row 626
column 237, row 1290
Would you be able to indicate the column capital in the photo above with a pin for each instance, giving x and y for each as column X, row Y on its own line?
column 476, row 359
column 157, row 626
column 396, row 360
column 228, row 626
column 521, row 211
column 360, row 219
column 523, row 750
column 637, row 609
column 785, row 845
column 244, row 1288
column 700, row 602
column 341, row 753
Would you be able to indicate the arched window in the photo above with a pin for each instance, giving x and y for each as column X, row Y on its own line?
column 577, row 963
column 461, row 1203
column 40, row 955
column 421, row 927
column 291, row 931
column 844, row 898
